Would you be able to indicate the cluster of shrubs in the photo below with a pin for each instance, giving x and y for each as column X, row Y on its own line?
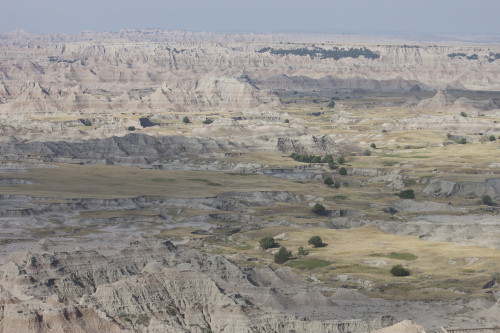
column 463, row 55
column 318, row 52
column 283, row 255
column 306, row 158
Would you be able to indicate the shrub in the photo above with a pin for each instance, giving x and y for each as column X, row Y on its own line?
column 407, row 194
column 328, row 181
column 267, row 242
column 332, row 165
column 343, row 171
column 341, row 160
column 462, row 141
column 374, row 146
column 492, row 138
column 287, row 121
column 336, row 185
column 85, row 122
column 399, row 270
column 282, row 255
column 207, row 121
column 186, row 120
column 301, row 251
column 131, row 128
column 315, row 241
column 331, row 104
column 486, row 199
column 318, row 209
column 367, row 153
column 463, row 114
column 328, row 158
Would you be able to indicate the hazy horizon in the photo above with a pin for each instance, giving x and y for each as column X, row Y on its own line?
column 425, row 17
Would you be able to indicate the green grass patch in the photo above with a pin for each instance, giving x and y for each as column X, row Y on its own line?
column 308, row 264
column 396, row 255
column 389, row 163
column 339, row 197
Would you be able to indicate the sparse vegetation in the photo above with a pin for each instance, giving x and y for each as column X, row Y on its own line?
column 399, row 270
column 315, row 241
column 396, row 255
column 301, row 251
column 407, row 194
column 305, row 158
column 282, row 255
column 341, row 160
column 267, row 242
column 487, row 200
column 316, row 52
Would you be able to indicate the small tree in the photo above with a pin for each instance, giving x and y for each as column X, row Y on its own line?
column 131, row 128
column 374, row 146
column 367, row 153
column 407, row 194
column 328, row 181
column 315, row 241
column 331, row 104
column 343, row 171
column 463, row 114
column 399, row 270
column 341, row 160
column 301, row 251
column 282, row 255
column 486, row 199
column 336, row 185
column 492, row 138
column 267, row 242
column 186, row 120
column 318, row 209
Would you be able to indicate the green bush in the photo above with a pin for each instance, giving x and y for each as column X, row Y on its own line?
column 186, row 120
column 336, row 185
column 331, row 104
column 399, row 270
column 462, row 141
column 207, row 121
column 492, row 138
column 301, row 251
column 486, row 199
column 332, row 165
column 374, row 146
column 287, row 121
column 315, row 241
column 407, row 194
column 463, row 114
column 319, row 209
column 343, row 171
column 131, row 128
column 282, row 255
column 267, row 242
column 328, row 181
column 341, row 160
column 367, row 153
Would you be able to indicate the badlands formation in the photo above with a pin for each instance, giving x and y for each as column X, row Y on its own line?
column 140, row 169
